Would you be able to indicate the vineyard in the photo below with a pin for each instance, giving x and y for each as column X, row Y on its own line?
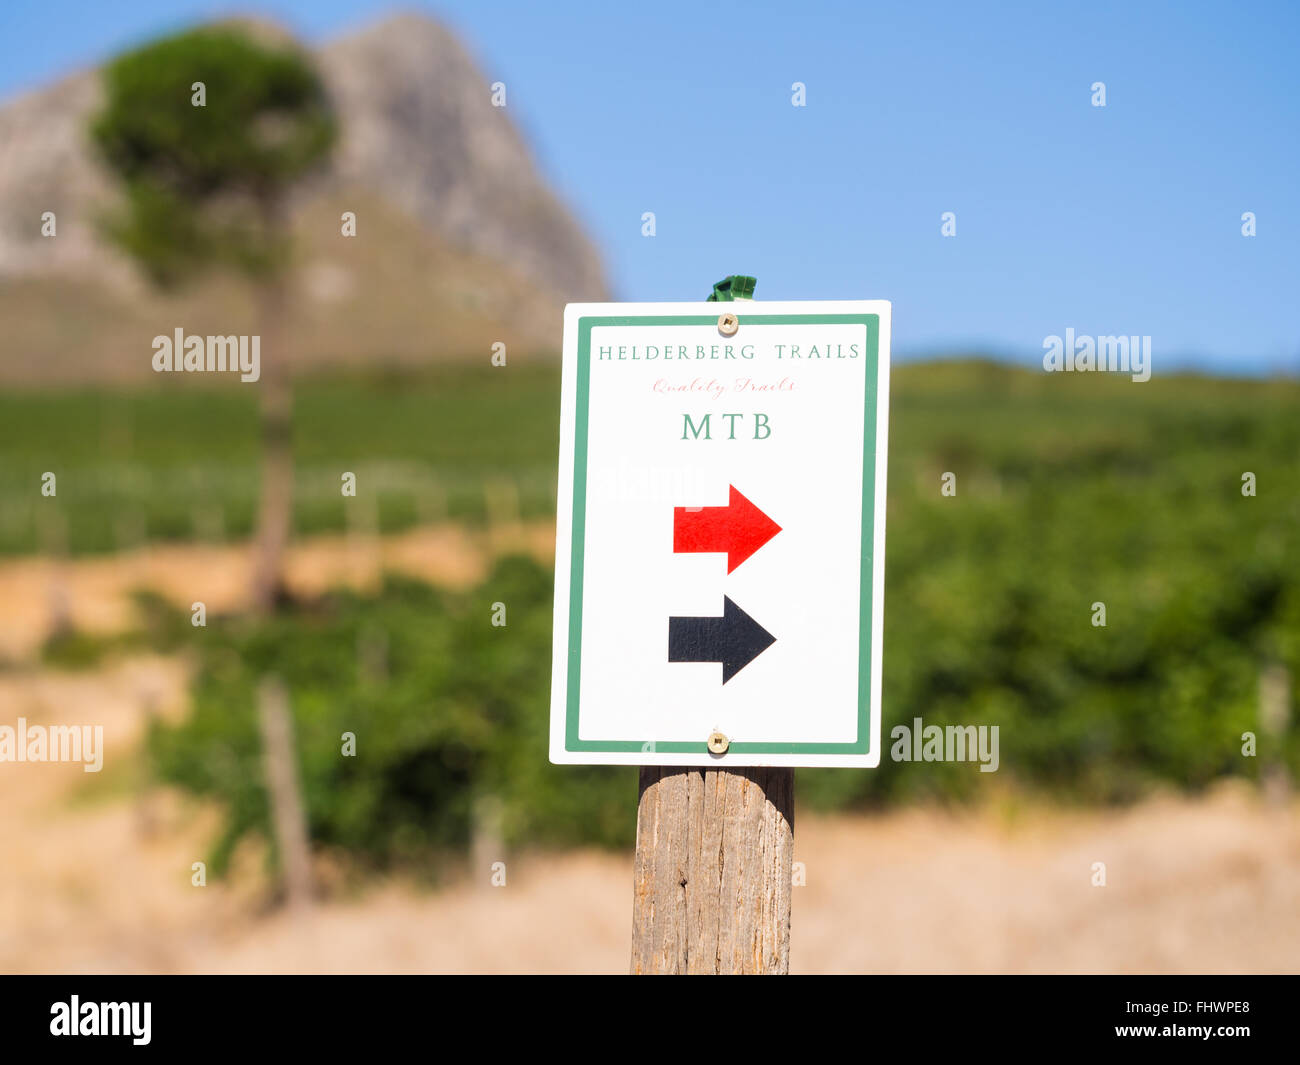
column 1066, row 493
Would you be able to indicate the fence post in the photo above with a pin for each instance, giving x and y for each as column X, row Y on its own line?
column 713, row 871
column 365, row 546
column 1274, row 719
column 52, row 539
column 714, row 863
column 486, row 844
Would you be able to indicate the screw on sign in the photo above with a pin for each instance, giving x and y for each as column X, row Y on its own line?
column 719, row 592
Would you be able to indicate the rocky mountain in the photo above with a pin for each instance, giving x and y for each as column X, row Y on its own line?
column 459, row 240
column 421, row 130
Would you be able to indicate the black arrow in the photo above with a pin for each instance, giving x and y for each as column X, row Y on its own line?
column 735, row 639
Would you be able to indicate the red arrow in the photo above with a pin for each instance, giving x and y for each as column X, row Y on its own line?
column 738, row 529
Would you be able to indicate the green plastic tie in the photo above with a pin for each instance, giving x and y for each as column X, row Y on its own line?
column 735, row 287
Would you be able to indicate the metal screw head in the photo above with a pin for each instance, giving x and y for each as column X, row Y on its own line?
column 718, row 743
column 728, row 324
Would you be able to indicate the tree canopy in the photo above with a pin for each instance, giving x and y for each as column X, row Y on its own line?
column 209, row 130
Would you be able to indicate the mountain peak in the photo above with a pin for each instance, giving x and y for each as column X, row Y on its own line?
column 419, row 133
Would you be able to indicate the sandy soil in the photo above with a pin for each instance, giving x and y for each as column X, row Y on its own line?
column 94, row 593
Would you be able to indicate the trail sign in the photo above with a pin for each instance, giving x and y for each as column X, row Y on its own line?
column 720, row 534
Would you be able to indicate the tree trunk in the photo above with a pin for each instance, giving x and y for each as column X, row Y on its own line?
column 275, row 504
column 714, row 864
column 280, row 764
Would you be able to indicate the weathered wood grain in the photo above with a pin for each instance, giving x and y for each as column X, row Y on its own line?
column 714, row 860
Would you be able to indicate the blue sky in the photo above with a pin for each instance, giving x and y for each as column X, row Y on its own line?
column 1115, row 220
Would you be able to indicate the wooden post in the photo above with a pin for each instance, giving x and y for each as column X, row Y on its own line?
column 486, row 844
column 1274, row 719
column 146, row 815
column 282, row 782
column 52, row 536
column 714, row 864
column 365, row 545
column 714, row 854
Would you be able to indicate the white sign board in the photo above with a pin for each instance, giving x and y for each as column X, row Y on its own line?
column 721, row 534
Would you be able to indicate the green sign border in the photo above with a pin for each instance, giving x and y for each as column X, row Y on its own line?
column 862, row 745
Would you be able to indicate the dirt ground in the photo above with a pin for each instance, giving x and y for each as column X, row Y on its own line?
column 94, row 593
column 95, row 869
column 97, row 878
